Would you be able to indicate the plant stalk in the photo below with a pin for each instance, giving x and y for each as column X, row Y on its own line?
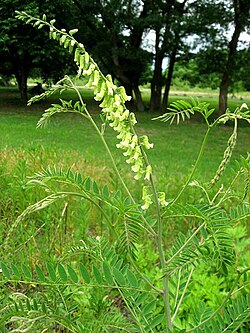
column 165, row 281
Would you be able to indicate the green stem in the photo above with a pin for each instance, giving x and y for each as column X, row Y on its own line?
column 165, row 293
column 165, row 286
column 183, row 294
column 195, row 166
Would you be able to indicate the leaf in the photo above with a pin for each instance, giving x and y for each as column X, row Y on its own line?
column 62, row 272
column 148, row 308
column 72, row 274
column 35, row 304
column 40, row 274
column 142, row 297
column 97, row 275
column 184, row 109
column 43, row 306
column 15, row 271
column 88, row 184
column 5, row 270
column 119, row 277
column 95, row 188
column 26, row 271
column 107, row 273
column 105, row 191
column 28, row 304
column 119, row 263
column 51, row 271
column 132, row 279
column 84, row 273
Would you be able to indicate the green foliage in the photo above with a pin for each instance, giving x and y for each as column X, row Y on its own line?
column 99, row 285
column 25, row 51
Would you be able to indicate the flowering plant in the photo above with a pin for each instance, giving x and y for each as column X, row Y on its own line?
column 151, row 305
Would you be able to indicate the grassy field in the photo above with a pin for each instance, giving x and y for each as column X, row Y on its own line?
column 176, row 147
column 69, row 141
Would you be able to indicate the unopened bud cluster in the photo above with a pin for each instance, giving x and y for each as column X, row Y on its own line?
column 226, row 157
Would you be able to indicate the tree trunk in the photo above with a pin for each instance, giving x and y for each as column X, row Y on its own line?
column 21, row 72
column 156, row 84
column 138, row 98
column 223, row 98
column 22, row 79
column 169, row 76
column 226, row 77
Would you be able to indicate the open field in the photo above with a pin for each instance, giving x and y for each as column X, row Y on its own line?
column 72, row 141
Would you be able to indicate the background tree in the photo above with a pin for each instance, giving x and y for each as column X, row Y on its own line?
column 174, row 22
column 166, row 22
column 241, row 16
column 24, row 50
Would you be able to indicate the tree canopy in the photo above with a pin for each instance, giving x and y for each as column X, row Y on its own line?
column 190, row 33
column 24, row 51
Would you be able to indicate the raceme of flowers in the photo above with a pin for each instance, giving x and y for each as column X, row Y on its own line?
column 113, row 100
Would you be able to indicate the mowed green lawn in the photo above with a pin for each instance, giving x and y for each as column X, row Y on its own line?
column 70, row 140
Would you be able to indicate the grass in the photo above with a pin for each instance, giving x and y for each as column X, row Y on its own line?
column 176, row 147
